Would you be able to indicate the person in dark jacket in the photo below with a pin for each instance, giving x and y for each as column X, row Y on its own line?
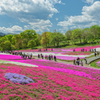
column 95, row 54
column 85, row 60
column 81, row 63
column 38, row 55
column 42, row 56
column 55, row 58
column 45, row 56
column 49, row 57
column 98, row 53
column 74, row 62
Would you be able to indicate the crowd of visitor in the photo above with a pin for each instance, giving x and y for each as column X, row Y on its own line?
column 78, row 62
column 85, row 50
column 50, row 57
column 24, row 56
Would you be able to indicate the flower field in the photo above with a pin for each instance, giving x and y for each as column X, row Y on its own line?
column 14, row 57
column 51, row 80
column 48, row 85
column 72, row 69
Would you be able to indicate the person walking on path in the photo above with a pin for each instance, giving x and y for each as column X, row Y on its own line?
column 81, row 63
column 38, row 56
column 85, row 60
column 73, row 50
column 74, row 62
column 78, row 62
column 98, row 53
column 78, row 58
column 49, row 57
column 55, row 58
column 95, row 54
column 45, row 56
column 42, row 56
column 31, row 55
column 52, row 57
column 28, row 57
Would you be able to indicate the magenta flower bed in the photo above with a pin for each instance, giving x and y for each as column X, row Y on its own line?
column 49, row 85
column 10, row 57
column 86, row 72
column 87, row 48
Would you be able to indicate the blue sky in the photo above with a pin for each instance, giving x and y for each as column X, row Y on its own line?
column 48, row 15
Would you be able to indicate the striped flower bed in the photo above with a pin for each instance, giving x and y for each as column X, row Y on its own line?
column 48, row 85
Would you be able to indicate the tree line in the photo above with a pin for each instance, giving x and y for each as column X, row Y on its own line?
column 31, row 39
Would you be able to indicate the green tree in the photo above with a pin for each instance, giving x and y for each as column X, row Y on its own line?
column 24, row 43
column 45, row 39
column 18, row 41
column 85, row 32
column 56, row 38
column 68, row 34
column 95, row 29
column 31, row 44
column 2, row 44
column 59, row 37
column 9, row 37
column 76, row 34
column 28, row 35
column 13, row 47
column 53, row 39
column 7, row 45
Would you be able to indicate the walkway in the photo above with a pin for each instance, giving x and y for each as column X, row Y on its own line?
column 59, row 61
column 89, row 60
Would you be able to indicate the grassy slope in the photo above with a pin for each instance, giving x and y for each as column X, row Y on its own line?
column 93, row 64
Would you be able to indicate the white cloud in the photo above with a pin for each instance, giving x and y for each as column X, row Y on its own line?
column 31, row 11
column 88, row 1
column 13, row 29
column 39, row 25
column 90, row 16
column 56, row 18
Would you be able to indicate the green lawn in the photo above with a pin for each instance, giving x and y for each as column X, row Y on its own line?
column 93, row 64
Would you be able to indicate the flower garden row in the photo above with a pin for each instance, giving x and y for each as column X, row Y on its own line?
column 11, row 57
column 61, row 50
column 48, row 85
column 72, row 69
